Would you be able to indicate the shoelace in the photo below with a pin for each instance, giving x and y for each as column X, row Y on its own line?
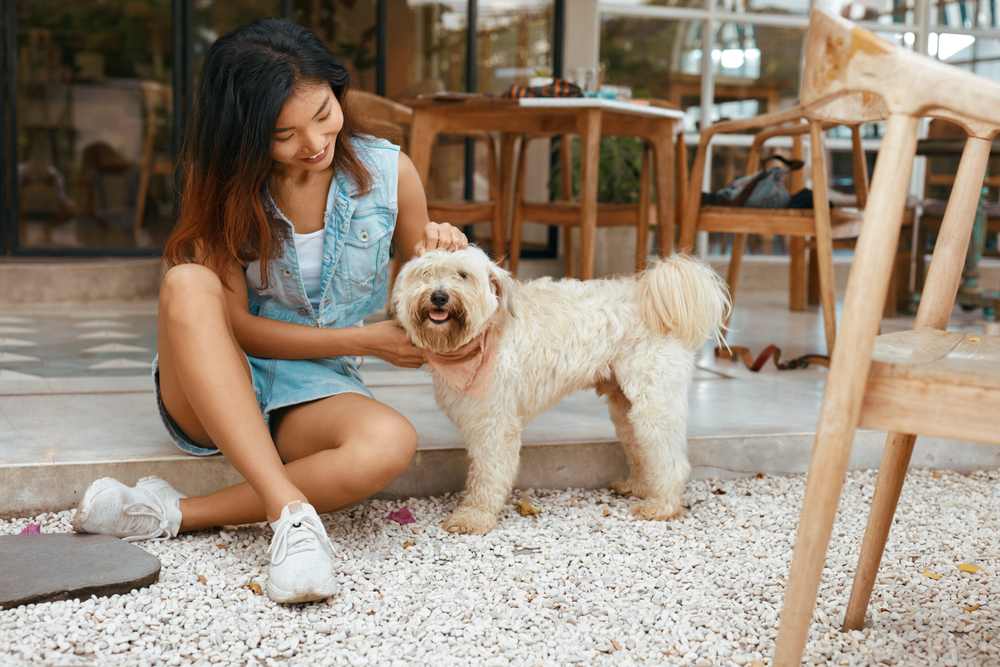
column 157, row 511
column 295, row 537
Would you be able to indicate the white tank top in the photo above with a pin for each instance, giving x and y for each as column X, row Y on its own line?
column 309, row 248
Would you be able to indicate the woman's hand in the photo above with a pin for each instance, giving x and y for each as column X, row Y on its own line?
column 387, row 340
column 441, row 236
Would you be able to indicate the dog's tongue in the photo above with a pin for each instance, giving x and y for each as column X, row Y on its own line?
column 438, row 315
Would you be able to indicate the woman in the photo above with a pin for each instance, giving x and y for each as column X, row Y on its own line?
column 281, row 248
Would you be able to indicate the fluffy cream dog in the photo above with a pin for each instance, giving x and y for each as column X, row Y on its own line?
column 501, row 352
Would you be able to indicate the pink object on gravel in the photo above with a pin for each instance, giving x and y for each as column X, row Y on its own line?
column 402, row 516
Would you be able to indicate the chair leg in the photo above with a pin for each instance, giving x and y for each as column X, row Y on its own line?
column 919, row 251
column 937, row 298
column 798, row 273
column 812, row 286
column 824, row 234
column 642, row 223
column 517, row 222
column 507, row 166
column 733, row 272
column 589, row 127
column 851, row 361
column 935, row 307
column 892, row 472
column 498, row 241
column 569, row 270
column 665, row 160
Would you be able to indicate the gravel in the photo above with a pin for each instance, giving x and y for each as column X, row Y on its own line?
column 582, row 583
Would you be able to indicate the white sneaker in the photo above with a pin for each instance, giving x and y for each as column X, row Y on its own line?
column 149, row 510
column 301, row 557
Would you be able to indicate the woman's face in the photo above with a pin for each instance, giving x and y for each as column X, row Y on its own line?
column 306, row 131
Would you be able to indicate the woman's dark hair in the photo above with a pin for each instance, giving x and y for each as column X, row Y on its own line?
column 226, row 159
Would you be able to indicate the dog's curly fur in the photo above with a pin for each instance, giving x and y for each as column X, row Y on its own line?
column 632, row 339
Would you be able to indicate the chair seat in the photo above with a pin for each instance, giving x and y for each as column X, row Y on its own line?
column 567, row 214
column 461, row 212
column 936, row 383
column 934, row 208
column 845, row 221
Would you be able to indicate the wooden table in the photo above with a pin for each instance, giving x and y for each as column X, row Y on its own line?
column 590, row 118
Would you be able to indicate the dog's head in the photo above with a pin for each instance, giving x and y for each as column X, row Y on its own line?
column 445, row 299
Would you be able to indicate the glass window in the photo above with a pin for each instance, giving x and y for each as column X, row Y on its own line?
column 765, row 6
column 94, row 120
column 964, row 14
column 655, row 58
column 880, row 11
column 688, row 4
column 979, row 55
column 425, row 55
column 426, row 49
column 349, row 29
column 211, row 19
column 756, row 69
column 514, row 43
column 514, row 46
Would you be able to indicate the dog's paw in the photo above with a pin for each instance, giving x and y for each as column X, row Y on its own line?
column 658, row 509
column 626, row 487
column 470, row 521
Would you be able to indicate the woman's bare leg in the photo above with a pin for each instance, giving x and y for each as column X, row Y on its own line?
column 340, row 450
column 206, row 386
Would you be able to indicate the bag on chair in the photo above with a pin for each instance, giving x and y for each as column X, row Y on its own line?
column 764, row 189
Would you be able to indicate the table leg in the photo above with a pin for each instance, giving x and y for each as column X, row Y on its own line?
column 589, row 124
column 663, row 148
column 508, row 144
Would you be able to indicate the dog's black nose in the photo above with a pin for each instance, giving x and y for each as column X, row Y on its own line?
column 439, row 297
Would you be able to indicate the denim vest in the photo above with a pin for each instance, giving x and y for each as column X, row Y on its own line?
column 358, row 232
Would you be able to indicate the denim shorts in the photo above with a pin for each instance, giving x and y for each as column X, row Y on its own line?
column 277, row 383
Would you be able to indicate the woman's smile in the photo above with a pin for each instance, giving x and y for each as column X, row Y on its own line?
column 318, row 157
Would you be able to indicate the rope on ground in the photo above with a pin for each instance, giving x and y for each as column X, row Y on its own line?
column 740, row 353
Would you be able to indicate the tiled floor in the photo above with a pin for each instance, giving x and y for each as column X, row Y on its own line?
column 77, row 341
column 75, row 390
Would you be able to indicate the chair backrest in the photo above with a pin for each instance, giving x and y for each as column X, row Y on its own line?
column 939, row 174
column 381, row 116
column 842, row 59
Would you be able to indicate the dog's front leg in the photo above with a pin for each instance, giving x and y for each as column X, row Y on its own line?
column 494, row 453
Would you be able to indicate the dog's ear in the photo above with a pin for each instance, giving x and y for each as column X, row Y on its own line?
column 503, row 285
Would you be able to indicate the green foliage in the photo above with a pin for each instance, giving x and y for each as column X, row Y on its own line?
column 618, row 173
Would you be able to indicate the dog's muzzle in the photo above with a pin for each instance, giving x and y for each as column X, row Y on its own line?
column 438, row 314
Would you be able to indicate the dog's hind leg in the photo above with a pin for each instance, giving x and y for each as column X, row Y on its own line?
column 658, row 399
column 494, row 454
column 618, row 407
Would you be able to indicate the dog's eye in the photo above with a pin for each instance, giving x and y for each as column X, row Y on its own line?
column 463, row 275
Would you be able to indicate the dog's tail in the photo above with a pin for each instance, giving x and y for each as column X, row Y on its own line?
column 686, row 299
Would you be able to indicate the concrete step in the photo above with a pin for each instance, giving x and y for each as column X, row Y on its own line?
column 46, row 281
column 59, row 436
column 75, row 407
column 41, row 281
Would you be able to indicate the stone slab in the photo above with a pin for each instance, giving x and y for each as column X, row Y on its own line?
column 46, row 568
column 33, row 281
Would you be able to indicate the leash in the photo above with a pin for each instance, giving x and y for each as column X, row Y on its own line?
column 740, row 353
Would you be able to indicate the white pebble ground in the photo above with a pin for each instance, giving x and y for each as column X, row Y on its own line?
column 583, row 583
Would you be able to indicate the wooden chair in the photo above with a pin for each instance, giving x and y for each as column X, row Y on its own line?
column 939, row 177
column 565, row 212
column 391, row 120
column 926, row 380
column 821, row 227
